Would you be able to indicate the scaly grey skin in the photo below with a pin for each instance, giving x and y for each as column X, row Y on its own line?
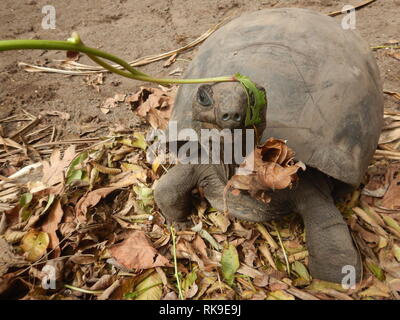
column 328, row 239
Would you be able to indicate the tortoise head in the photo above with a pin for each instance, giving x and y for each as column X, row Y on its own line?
column 220, row 105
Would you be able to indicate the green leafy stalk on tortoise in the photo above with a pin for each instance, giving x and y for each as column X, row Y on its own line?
column 75, row 44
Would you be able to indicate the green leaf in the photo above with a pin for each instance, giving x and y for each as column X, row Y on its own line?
column 49, row 203
column 253, row 112
column 374, row 291
column 324, row 286
column 230, row 263
column 79, row 159
column 24, row 201
column 73, row 174
column 188, row 281
column 139, row 141
column 280, row 295
column 396, row 252
column 391, row 222
column 375, row 269
column 280, row 265
column 144, row 194
column 301, row 270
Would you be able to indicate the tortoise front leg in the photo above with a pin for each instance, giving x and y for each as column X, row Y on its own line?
column 329, row 243
column 213, row 180
column 173, row 192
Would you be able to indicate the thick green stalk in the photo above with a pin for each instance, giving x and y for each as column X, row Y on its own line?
column 74, row 44
column 77, row 46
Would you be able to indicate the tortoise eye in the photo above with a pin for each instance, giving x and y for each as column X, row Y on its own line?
column 203, row 97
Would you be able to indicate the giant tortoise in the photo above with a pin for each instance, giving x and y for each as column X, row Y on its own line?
column 324, row 97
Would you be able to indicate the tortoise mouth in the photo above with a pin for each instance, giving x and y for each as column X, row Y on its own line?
column 209, row 125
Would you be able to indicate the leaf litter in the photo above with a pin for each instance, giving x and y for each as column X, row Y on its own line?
column 89, row 212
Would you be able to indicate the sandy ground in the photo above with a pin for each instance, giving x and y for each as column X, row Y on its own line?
column 134, row 28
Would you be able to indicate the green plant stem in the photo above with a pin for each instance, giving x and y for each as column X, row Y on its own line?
column 283, row 249
column 178, row 281
column 74, row 44
column 6, row 45
column 134, row 294
column 83, row 290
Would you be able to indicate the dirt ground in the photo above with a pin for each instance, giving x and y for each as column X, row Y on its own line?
column 132, row 29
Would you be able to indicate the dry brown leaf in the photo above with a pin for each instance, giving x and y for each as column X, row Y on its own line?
column 391, row 199
column 200, row 246
column 63, row 115
column 274, row 176
column 111, row 103
column 274, row 168
column 392, row 93
column 137, row 252
column 220, row 220
column 185, row 250
column 371, row 221
column 375, row 291
column 389, row 135
column 154, row 104
column 104, row 282
column 170, row 61
column 8, row 258
column 249, row 271
column 394, row 285
column 277, row 151
column 95, row 80
column 50, row 226
column 90, row 200
column 394, row 54
column 53, row 171
column 377, row 183
column 79, row 258
column 106, row 293
column 249, row 252
column 176, row 72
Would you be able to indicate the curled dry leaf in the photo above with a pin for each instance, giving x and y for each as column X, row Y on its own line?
column 270, row 166
column 50, row 226
column 137, row 252
column 153, row 104
column 90, row 200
